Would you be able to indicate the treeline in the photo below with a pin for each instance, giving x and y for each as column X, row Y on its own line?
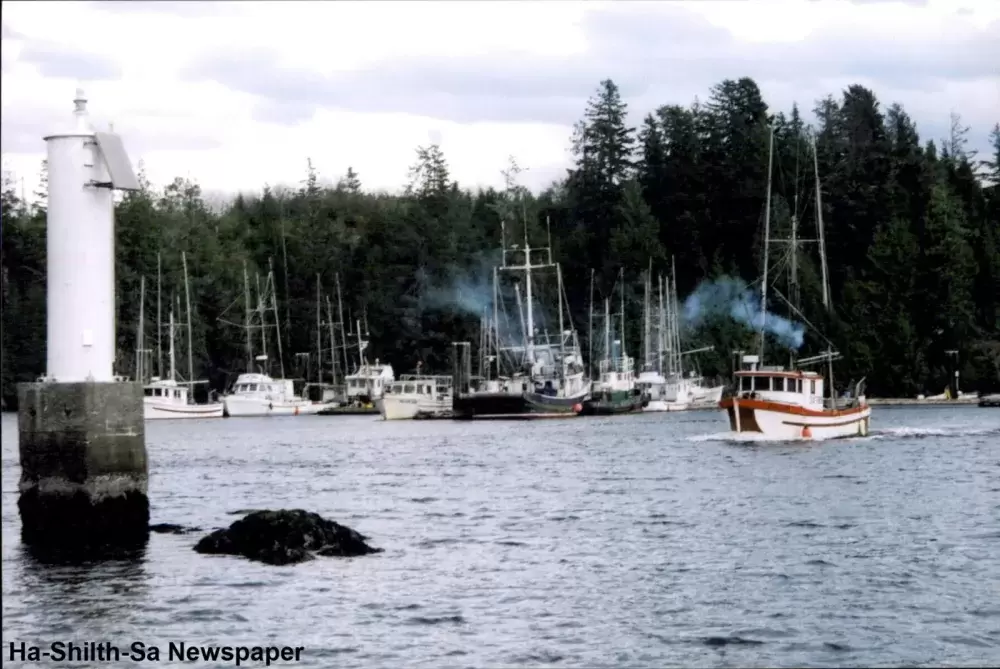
column 912, row 232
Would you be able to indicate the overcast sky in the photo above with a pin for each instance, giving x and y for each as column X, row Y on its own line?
column 237, row 95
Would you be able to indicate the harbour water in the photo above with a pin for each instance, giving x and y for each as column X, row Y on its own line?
column 633, row 541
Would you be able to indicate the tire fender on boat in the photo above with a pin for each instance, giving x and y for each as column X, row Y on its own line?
column 806, row 432
column 296, row 411
column 270, row 406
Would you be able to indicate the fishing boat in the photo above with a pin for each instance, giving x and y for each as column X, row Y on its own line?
column 616, row 391
column 663, row 378
column 169, row 398
column 536, row 372
column 257, row 393
column 416, row 394
column 791, row 404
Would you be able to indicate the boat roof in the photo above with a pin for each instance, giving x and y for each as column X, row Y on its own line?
column 253, row 377
column 793, row 374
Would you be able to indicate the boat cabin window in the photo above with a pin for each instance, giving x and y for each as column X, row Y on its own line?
column 408, row 388
column 177, row 394
column 149, row 392
column 812, row 387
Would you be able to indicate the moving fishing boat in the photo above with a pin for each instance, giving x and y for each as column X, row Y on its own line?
column 790, row 404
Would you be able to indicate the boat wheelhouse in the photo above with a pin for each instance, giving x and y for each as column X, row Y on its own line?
column 415, row 394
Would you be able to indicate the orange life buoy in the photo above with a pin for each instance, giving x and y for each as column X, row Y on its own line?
column 806, row 432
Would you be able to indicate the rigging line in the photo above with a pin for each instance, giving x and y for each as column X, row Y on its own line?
column 806, row 320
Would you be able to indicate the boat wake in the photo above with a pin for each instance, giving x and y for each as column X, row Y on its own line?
column 885, row 433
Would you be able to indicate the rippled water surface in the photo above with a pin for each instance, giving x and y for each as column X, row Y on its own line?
column 637, row 541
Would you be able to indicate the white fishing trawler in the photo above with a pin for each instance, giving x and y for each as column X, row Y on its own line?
column 257, row 393
column 368, row 383
column 169, row 398
column 790, row 404
column 662, row 376
column 416, row 394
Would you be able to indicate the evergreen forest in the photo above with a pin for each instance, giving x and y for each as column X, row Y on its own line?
column 911, row 227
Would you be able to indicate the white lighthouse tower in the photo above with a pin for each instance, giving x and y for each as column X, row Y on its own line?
column 81, row 432
column 83, row 168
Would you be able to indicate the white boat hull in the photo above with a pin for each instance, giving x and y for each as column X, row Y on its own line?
column 664, row 405
column 393, row 407
column 242, row 407
column 707, row 395
column 167, row 410
column 779, row 421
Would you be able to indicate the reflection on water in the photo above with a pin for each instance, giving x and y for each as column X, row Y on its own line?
column 61, row 589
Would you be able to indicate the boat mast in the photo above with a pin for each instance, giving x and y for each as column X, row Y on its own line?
column 159, row 316
column 621, row 319
column 246, row 326
column 284, row 263
column 607, row 332
column 343, row 333
column 496, row 319
column 590, row 335
column 173, row 374
column 187, row 302
column 767, row 244
column 646, row 348
column 668, row 327
column 263, row 325
column 319, row 333
column 361, row 356
column 277, row 320
column 661, row 329
column 676, row 309
column 823, row 266
column 333, row 348
column 794, row 278
column 140, row 373
column 530, row 334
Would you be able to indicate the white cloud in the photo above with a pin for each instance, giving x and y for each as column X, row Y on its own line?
column 362, row 84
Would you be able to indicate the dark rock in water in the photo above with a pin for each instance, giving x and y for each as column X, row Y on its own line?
column 285, row 537
column 170, row 528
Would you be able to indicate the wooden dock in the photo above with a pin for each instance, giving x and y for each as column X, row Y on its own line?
column 490, row 416
column 348, row 411
column 966, row 401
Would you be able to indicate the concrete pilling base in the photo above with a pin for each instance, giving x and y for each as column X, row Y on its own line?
column 84, row 471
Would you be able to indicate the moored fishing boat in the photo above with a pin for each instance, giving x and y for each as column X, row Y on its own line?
column 415, row 394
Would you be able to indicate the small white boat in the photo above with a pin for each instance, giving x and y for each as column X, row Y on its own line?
column 260, row 395
column 165, row 398
column 416, row 394
column 168, row 398
column 368, row 382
